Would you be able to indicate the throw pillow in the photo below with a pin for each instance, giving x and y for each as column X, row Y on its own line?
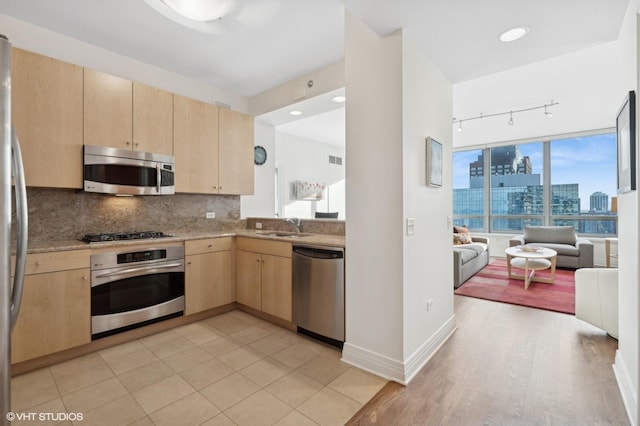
column 460, row 229
column 461, row 238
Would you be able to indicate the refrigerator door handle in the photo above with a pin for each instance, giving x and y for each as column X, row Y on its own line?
column 22, row 227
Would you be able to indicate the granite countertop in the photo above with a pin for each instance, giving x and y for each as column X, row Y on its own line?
column 303, row 238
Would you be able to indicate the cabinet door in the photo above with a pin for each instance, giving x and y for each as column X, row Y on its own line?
column 208, row 281
column 108, row 110
column 248, row 286
column 276, row 286
column 55, row 314
column 47, row 114
column 235, row 175
column 152, row 120
column 195, row 137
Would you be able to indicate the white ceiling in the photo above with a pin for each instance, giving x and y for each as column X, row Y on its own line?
column 264, row 43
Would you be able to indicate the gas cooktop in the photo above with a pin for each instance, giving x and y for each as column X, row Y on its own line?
column 121, row 236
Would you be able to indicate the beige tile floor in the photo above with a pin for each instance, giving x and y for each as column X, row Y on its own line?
column 225, row 370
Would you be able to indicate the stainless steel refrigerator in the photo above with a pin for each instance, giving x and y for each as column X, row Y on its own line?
column 10, row 288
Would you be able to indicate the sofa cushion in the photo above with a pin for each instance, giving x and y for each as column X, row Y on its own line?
column 466, row 254
column 470, row 251
column 562, row 249
column 550, row 234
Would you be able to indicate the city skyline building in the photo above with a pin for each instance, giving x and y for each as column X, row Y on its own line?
column 517, row 197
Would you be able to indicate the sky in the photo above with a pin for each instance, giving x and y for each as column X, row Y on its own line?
column 589, row 161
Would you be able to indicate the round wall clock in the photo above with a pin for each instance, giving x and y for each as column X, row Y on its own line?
column 259, row 155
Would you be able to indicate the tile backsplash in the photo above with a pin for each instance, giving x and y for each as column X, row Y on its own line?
column 60, row 214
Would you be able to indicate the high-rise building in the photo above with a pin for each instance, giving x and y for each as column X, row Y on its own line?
column 599, row 202
column 505, row 160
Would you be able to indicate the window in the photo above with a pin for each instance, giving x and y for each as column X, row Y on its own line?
column 468, row 189
column 557, row 182
column 583, row 183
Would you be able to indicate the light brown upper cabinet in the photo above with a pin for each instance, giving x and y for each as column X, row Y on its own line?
column 46, row 99
column 213, row 148
column 235, row 172
column 195, row 144
column 152, row 119
column 126, row 115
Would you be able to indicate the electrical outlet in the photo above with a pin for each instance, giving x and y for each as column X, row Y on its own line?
column 210, row 215
column 258, row 225
column 429, row 305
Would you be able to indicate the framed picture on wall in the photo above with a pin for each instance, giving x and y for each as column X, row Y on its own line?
column 626, row 137
column 434, row 162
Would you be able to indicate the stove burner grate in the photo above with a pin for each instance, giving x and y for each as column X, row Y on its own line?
column 123, row 236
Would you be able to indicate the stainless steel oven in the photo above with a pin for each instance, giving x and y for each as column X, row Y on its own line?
column 134, row 287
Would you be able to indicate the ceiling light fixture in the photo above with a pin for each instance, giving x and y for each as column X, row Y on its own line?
column 513, row 34
column 295, row 113
column 339, row 99
column 509, row 113
column 200, row 10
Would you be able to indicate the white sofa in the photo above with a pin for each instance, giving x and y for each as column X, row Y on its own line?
column 597, row 298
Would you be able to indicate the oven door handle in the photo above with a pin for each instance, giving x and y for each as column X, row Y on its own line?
column 140, row 269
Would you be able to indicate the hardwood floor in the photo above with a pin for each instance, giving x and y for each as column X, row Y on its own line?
column 508, row 365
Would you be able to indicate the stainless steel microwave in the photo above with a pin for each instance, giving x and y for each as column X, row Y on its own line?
column 121, row 171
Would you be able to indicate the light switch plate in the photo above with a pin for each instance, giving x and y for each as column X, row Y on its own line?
column 210, row 215
column 411, row 225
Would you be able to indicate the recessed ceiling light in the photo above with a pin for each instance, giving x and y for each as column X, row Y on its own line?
column 338, row 99
column 513, row 34
column 200, row 10
column 295, row 112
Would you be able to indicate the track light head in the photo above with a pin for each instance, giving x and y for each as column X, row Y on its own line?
column 510, row 122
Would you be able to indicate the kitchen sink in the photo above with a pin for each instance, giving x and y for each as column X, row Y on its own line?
column 282, row 234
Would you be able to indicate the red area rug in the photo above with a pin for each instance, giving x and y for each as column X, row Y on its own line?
column 491, row 283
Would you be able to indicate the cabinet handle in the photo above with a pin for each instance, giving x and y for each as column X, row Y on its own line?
column 188, row 263
column 85, row 278
column 220, row 188
column 210, row 245
column 127, row 143
column 37, row 263
column 136, row 144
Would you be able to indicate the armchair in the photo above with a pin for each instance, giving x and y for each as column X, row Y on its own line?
column 597, row 298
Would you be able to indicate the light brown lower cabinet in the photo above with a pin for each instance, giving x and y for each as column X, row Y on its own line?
column 208, row 282
column 56, row 305
column 263, row 276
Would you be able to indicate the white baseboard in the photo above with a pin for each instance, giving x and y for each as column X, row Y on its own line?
column 625, row 384
column 397, row 371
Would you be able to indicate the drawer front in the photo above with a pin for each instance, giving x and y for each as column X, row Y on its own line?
column 40, row 263
column 208, row 245
column 276, row 248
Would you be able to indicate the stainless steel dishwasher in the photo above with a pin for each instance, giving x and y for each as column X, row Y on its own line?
column 318, row 292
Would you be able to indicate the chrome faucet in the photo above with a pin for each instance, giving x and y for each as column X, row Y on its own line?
column 295, row 221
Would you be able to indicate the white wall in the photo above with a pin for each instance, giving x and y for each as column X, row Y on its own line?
column 396, row 97
column 262, row 203
column 627, row 362
column 308, row 160
column 427, row 108
column 35, row 39
column 374, row 231
column 584, row 83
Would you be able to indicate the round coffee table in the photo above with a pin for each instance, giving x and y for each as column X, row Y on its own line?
column 531, row 261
